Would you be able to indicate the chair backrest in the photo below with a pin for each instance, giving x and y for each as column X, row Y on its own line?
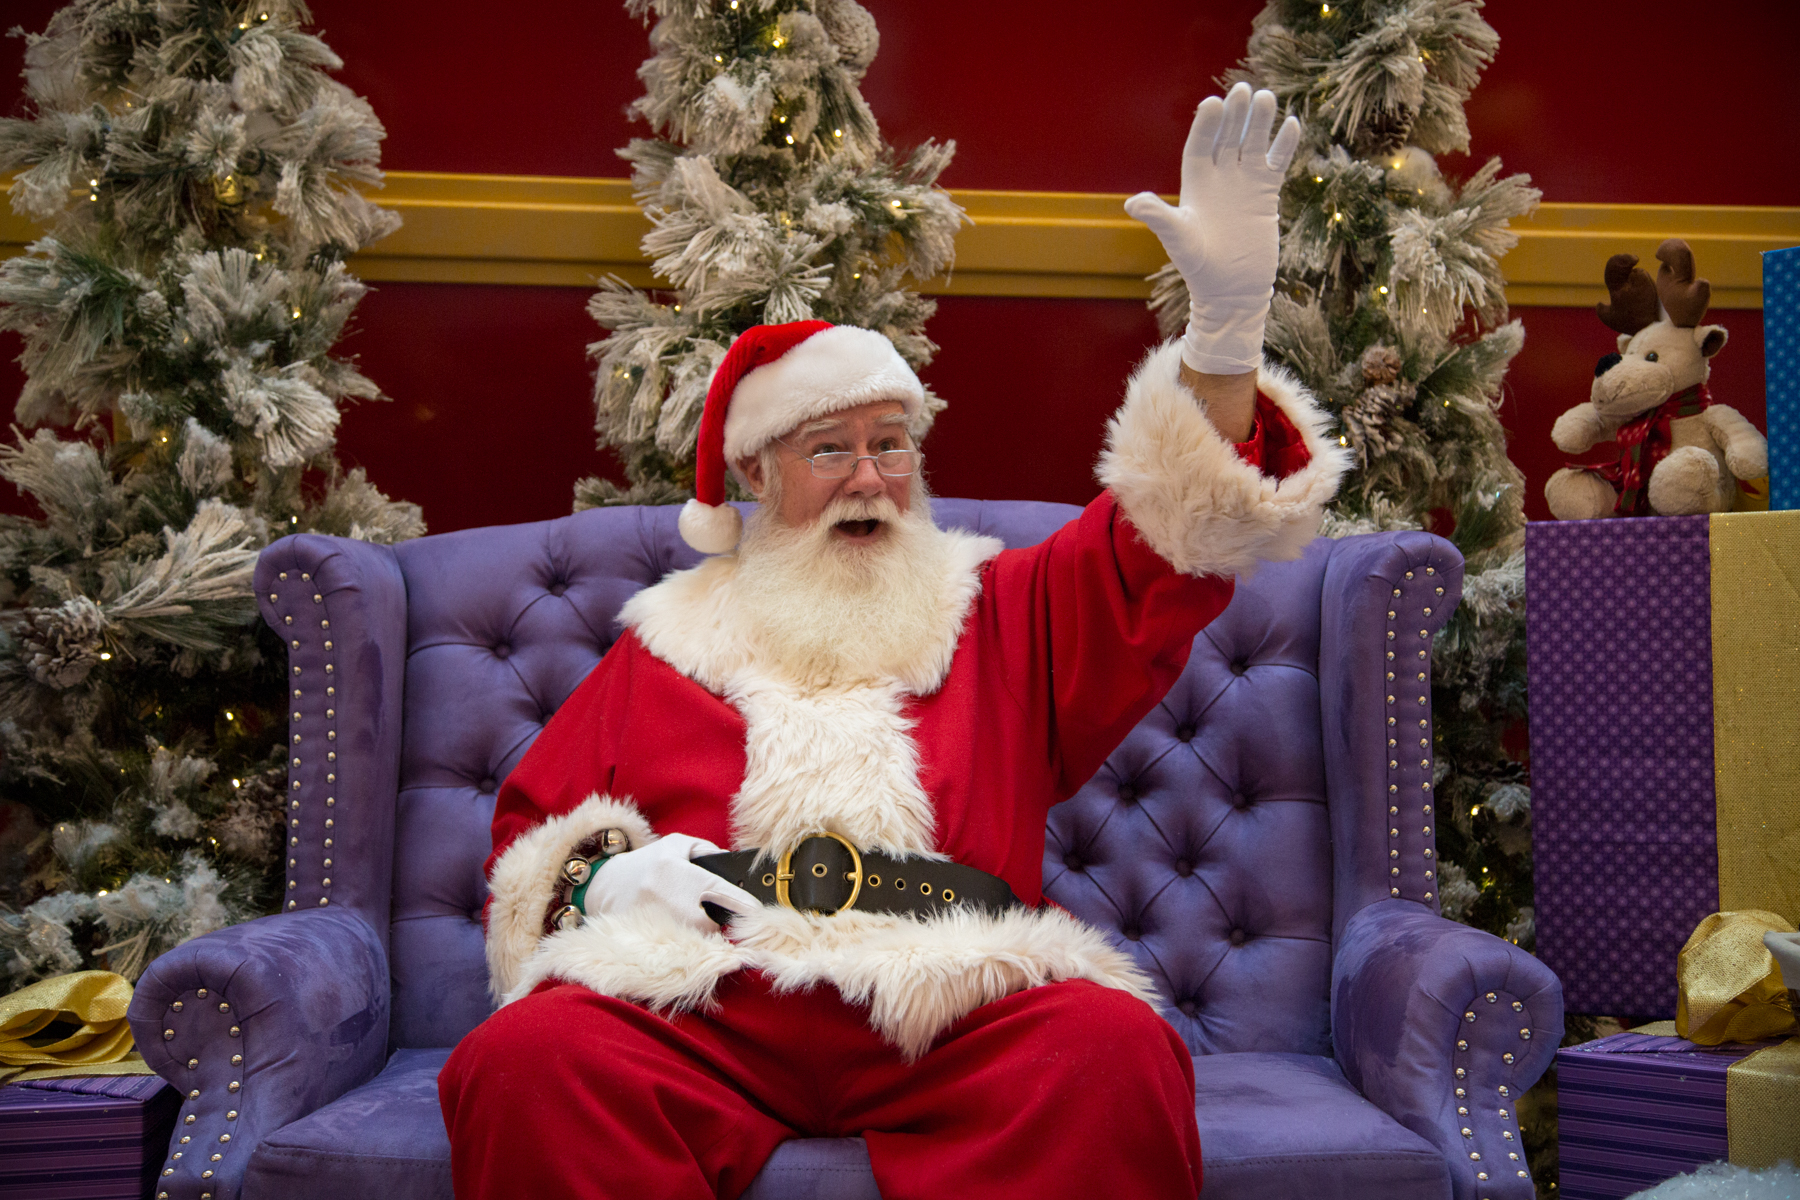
column 1206, row 841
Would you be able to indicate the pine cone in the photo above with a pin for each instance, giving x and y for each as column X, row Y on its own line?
column 1372, row 419
column 61, row 645
column 1381, row 364
column 852, row 30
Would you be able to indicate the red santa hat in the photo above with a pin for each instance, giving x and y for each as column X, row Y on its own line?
column 774, row 378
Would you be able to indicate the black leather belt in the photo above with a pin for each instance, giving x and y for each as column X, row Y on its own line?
column 825, row 873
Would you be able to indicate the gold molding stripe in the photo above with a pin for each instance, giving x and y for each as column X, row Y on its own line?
column 567, row 232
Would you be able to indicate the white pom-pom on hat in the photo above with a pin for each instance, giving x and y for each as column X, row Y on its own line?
column 710, row 528
column 772, row 379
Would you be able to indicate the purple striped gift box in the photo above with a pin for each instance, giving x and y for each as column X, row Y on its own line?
column 88, row 1137
column 1635, row 1109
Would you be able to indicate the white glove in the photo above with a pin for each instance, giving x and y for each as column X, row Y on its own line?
column 1224, row 235
column 660, row 875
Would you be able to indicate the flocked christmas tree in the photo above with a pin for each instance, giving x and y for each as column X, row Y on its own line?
column 773, row 198
column 1390, row 305
column 199, row 172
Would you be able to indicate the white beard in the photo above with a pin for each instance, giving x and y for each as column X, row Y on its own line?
column 829, row 613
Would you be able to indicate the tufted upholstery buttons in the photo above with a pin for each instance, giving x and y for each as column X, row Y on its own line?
column 1132, row 933
column 1073, row 861
column 488, row 785
column 1238, row 667
column 1189, row 1008
column 1127, row 794
column 502, row 651
column 1240, row 801
column 1239, row 937
column 1183, row 867
column 558, row 588
column 1184, row 733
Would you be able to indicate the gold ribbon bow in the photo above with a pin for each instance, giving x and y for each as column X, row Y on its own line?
column 1731, row 989
column 68, row 1025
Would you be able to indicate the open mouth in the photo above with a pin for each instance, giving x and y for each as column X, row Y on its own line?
column 858, row 530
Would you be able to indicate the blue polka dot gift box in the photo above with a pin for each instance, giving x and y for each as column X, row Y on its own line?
column 1781, row 372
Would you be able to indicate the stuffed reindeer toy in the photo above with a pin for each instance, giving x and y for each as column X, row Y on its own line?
column 1679, row 453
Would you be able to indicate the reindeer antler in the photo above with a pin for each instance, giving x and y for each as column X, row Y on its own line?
column 1683, row 297
column 1633, row 303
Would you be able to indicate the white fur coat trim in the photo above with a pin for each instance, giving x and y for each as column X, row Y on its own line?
column 918, row 977
column 525, row 877
column 1197, row 504
column 841, row 759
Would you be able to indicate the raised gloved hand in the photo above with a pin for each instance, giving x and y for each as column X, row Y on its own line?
column 1224, row 235
column 662, row 876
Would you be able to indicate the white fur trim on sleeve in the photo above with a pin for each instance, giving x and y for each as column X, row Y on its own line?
column 1197, row 504
column 645, row 956
column 525, row 877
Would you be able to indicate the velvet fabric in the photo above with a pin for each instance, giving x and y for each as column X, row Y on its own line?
column 690, row 1106
column 1238, row 844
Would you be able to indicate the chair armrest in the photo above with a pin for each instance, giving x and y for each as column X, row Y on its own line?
column 1444, row 1027
column 1383, row 599
column 340, row 608
column 258, row 1025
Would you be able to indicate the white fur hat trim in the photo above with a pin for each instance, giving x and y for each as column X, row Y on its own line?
column 834, row 369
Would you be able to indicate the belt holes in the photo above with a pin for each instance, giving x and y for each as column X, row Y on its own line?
column 900, row 885
column 924, row 889
column 873, row 881
column 949, row 896
column 768, row 880
column 818, row 870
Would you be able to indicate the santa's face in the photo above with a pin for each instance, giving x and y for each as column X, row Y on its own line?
column 802, row 497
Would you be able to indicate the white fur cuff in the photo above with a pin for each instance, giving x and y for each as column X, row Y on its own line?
column 1197, row 504
column 525, row 877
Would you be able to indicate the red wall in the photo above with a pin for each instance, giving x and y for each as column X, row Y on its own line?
column 491, row 419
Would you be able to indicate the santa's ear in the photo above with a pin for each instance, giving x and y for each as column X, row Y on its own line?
column 1624, row 342
column 750, row 470
column 1711, row 339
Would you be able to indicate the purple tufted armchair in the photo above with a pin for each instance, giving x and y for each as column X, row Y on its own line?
column 1262, row 842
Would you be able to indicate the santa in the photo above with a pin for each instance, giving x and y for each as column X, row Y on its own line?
column 774, row 868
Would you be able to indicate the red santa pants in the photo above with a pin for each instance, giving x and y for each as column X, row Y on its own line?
column 1068, row 1090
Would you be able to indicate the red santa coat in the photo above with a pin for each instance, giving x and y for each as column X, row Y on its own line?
column 1045, row 659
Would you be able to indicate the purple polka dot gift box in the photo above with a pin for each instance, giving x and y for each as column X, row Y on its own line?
column 1664, row 674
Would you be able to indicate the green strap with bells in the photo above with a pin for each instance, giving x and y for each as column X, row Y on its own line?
column 578, row 897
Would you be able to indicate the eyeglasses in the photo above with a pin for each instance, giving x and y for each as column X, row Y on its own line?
column 841, row 464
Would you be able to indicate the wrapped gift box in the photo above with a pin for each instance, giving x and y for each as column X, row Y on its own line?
column 1664, row 674
column 1781, row 372
column 1635, row 1109
column 88, row 1137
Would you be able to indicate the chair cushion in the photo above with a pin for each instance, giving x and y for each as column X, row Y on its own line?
column 1271, row 1125
column 816, row 1169
column 384, row 1140
column 1274, row 1126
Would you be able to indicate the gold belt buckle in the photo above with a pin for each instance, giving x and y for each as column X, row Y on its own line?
column 784, row 871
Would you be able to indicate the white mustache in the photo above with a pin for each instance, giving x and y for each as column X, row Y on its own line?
column 859, row 508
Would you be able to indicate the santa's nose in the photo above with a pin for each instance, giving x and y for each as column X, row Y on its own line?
column 865, row 480
column 1607, row 362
